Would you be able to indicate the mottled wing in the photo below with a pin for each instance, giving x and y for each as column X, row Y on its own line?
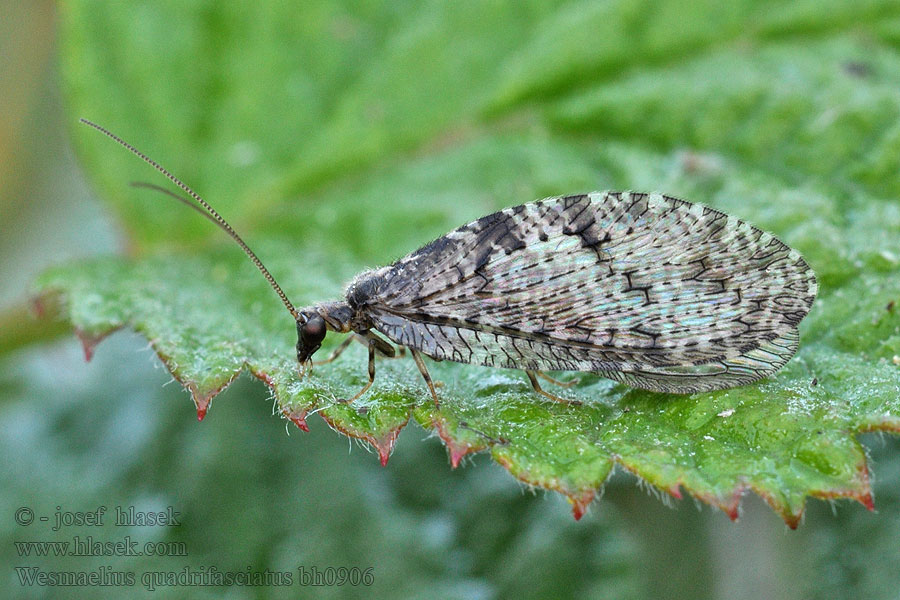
column 726, row 373
column 646, row 289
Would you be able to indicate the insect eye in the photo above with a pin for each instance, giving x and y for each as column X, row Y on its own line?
column 314, row 330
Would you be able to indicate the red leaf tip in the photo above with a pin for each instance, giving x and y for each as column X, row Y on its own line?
column 385, row 446
column 733, row 508
column 201, row 401
column 88, row 343
column 457, row 449
column 456, row 454
column 867, row 501
column 297, row 418
column 793, row 520
column 580, row 503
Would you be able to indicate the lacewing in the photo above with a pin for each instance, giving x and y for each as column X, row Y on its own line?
column 648, row 290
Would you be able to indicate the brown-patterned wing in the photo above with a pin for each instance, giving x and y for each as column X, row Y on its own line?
column 645, row 289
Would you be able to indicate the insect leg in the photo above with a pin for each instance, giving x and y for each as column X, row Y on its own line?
column 365, row 339
column 424, row 371
column 383, row 347
column 565, row 384
column 336, row 352
column 371, row 372
column 537, row 388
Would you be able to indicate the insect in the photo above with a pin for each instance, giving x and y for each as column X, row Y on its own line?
column 648, row 290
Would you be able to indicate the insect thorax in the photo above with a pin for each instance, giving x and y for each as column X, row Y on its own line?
column 364, row 287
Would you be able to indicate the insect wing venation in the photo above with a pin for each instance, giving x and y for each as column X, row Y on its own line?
column 646, row 289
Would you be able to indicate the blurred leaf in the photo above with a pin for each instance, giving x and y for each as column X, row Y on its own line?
column 396, row 124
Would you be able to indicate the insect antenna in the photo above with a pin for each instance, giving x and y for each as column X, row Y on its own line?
column 201, row 206
column 186, row 201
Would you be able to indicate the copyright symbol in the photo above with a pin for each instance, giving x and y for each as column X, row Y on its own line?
column 24, row 516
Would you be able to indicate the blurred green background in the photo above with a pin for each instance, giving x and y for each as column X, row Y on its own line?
column 272, row 110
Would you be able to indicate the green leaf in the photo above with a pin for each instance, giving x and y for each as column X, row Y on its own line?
column 383, row 127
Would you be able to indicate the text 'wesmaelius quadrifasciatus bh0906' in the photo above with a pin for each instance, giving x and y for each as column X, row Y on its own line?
column 651, row 291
